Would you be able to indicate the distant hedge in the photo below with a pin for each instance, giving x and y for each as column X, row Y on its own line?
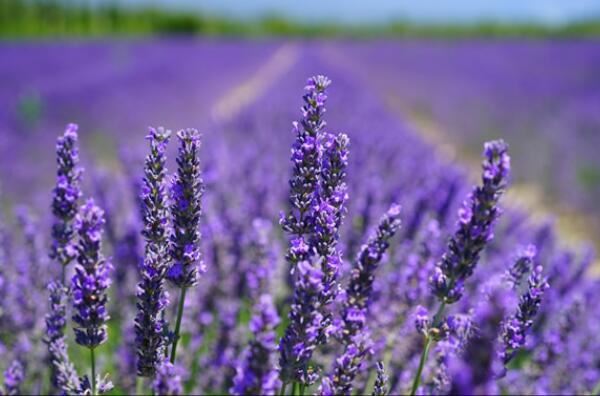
column 59, row 18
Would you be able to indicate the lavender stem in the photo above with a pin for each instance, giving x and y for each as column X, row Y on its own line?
column 425, row 353
column 93, row 361
column 178, row 324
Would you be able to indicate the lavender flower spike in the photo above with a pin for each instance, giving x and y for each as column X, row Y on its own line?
column 302, row 334
column 186, row 194
column 328, row 219
column 66, row 193
column 345, row 367
column 304, row 331
column 354, row 311
column 91, row 278
column 56, row 321
column 475, row 226
column 256, row 375
column 167, row 381
column 358, row 292
column 13, row 378
column 90, row 282
column 306, row 168
column 152, row 299
column 187, row 188
column 380, row 387
column 515, row 328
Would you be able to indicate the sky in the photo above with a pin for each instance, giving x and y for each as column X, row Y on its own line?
column 375, row 11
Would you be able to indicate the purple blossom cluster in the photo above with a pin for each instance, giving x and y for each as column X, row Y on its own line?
column 445, row 307
column 65, row 197
column 91, row 280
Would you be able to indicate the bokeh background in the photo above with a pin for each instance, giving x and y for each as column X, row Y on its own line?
column 456, row 72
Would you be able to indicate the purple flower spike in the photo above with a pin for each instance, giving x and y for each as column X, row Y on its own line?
column 186, row 194
column 302, row 334
column 150, row 326
column 13, row 378
column 256, row 374
column 310, row 221
column 168, row 380
column 328, row 219
column 91, row 278
column 380, row 387
column 65, row 197
column 514, row 275
column 475, row 226
column 358, row 292
column 346, row 366
column 515, row 328
column 355, row 336
column 306, row 162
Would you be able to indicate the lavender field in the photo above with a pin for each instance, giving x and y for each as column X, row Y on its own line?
column 348, row 220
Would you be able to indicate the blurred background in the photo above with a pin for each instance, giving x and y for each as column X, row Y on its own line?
column 456, row 72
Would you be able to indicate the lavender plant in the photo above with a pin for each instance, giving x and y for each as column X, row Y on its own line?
column 90, row 283
column 475, row 229
column 186, row 193
column 150, row 325
column 65, row 198
column 256, row 373
column 491, row 334
column 302, row 333
column 515, row 329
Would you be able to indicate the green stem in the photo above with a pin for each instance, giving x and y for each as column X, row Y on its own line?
column 282, row 390
column 294, row 388
column 428, row 341
column 302, row 388
column 424, row 355
column 139, row 386
column 178, row 324
column 596, row 390
column 93, row 361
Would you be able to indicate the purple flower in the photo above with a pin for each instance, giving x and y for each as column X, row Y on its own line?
column 475, row 226
column 256, row 374
column 13, row 378
column 168, row 380
column 302, row 334
column 91, row 278
column 306, row 161
column 150, row 325
column 329, row 214
column 422, row 320
column 515, row 329
column 380, row 387
column 308, row 219
column 346, row 366
column 186, row 193
column 65, row 197
column 358, row 292
column 514, row 275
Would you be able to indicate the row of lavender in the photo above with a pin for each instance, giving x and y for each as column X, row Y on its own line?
column 316, row 312
column 542, row 95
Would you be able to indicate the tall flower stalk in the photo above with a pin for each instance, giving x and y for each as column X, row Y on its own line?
column 514, row 329
column 150, row 326
column 90, row 283
column 355, row 306
column 186, row 194
column 475, row 229
column 328, row 220
column 256, row 373
column 305, row 319
column 65, row 198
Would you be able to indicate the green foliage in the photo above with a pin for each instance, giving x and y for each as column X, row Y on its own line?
column 59, row 18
